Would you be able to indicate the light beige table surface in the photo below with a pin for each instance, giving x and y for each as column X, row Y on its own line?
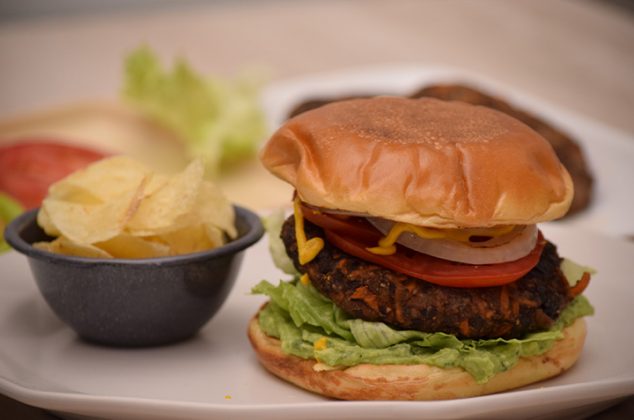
column 575, row 54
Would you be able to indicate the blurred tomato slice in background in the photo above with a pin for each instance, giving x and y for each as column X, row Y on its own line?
column 28, row 168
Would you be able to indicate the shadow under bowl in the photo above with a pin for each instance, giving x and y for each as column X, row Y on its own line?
column 135, row 302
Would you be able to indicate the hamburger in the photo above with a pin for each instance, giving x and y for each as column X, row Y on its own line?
column 419, row 271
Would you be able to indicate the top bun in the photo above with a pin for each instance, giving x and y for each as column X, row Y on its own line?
column 421, row 161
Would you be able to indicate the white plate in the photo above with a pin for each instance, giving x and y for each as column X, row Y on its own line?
column 42, row 363
column 216, row 374
column 610, row 152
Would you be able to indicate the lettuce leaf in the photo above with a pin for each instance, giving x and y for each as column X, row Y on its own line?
column 273, row 226
column 301, row 317
column 9, row 210
column 219, row 120
column 573, row 272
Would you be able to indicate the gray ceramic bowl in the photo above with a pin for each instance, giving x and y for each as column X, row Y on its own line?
column 135, row 302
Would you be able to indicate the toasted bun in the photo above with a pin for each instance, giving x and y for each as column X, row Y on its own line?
column 413, row 382
column 421, row 161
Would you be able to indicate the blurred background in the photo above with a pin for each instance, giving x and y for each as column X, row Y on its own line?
column 574, row 53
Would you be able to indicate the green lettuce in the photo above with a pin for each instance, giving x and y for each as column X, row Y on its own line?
column 300, row 317
column 573, row 272
column 273, row 226
column 219, row 120
column 9, row 210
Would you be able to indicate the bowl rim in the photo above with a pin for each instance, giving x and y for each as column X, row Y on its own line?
column 252, row 235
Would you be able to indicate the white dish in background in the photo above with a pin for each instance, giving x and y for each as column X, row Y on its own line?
column 610, row 152
column 42, row 363
column 216, row 374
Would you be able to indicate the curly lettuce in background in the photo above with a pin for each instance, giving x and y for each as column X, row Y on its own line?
column 9, row 210
column 219, row 120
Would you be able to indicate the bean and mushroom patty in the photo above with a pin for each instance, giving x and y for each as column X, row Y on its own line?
column 373, row 293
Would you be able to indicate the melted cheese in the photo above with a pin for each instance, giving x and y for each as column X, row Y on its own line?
column 386, row 244
column 321, row 344
column 307, row 249
column 304, row 279
column 383, row 250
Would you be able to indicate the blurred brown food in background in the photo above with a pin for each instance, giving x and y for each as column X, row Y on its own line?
column 565, row 147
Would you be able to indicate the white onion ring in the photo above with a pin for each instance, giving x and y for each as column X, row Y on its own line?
column 509, row 247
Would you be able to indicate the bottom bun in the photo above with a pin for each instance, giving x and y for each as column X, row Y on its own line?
column 412, row 382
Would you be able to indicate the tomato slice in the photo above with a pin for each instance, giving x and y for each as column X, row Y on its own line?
column 354, row 236
column 28, row 168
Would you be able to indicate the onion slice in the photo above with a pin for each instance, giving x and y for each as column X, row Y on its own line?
column 509, row 247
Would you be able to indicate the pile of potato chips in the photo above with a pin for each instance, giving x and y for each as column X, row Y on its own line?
column 119, row 208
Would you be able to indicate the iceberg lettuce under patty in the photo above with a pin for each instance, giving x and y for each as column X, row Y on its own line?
column 311, row 326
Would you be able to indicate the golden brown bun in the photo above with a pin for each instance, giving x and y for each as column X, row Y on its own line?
column 413, row 382
column 421, row 161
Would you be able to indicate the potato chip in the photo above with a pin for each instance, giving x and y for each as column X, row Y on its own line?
column 213, row 208
column 119, row 208
column 86, row 223
column 215, row 235
column 159, row 211
column 63, row 245
column 103, row 181
column 189, row 239
column 128, row 246
column 44, row 221
column 155, row 183
column 74, row 194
